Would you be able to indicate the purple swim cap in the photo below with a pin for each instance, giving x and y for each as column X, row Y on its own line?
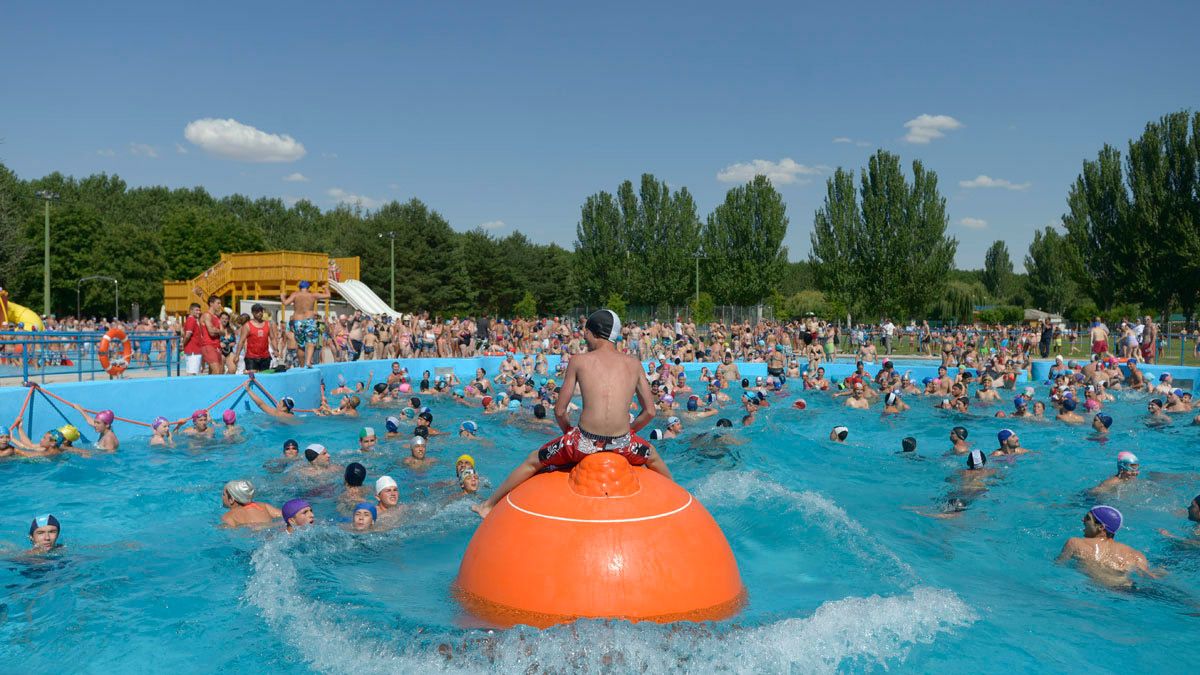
column 292, row 507
column 1109, row 517
column 105, row 416
column 159, row 421
column 229, row 416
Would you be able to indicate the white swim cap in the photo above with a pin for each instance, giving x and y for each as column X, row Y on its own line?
column 384, row 483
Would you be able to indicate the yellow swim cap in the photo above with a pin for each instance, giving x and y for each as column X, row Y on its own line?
column 465, row 458
column 69, row 432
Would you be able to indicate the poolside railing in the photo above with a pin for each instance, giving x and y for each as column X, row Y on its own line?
column 25, row 355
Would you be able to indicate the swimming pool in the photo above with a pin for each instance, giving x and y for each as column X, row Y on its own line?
column 842, row 574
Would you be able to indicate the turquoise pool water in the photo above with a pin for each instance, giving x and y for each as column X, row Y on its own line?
column 843, row 574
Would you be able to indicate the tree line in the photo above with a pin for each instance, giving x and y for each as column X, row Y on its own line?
column 1128, row 242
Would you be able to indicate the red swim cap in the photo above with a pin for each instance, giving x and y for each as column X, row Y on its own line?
column 799, row 404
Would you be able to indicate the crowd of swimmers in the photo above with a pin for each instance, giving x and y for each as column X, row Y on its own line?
column 663, row 403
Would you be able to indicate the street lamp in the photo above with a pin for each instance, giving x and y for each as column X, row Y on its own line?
column 116, row 294
column 392, row 235
column 47, row 196
column 698, row 255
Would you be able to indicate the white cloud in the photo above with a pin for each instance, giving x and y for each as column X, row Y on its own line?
column 106, row 152
column 783, row 172
column 340, row 196
column 843, row 139
column 982, row 181
column 180, row 149
column 143, row 150
column 925, row 128
column 973, row 223
column 233, row 140
column 296, row 177
column 493, row 225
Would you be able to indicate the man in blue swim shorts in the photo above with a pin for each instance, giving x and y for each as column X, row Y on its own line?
column 304, row 319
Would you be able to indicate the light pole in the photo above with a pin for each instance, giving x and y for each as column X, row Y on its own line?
column 116, row 294
column 47, row 196
column 392, row 235
column 698, row 255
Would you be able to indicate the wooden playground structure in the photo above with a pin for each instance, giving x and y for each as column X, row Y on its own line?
column 254, row 276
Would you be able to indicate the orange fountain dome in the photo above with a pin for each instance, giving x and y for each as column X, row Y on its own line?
column 606, row 540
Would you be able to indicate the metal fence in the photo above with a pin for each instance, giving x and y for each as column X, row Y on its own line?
column 26, row 356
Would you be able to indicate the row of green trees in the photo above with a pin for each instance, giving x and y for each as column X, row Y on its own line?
column 647, row 246
column 143, row 236
column 1130, row 240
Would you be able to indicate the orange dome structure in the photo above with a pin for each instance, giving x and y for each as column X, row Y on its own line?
column 606, row 540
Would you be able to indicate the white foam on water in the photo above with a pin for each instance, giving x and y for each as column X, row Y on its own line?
column 851, row 632
column 737, row 487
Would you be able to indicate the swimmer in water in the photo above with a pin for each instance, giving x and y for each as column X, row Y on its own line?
column 319, row 462
column 392, row 428
column 1097, row 551
column 1101, row 423
column 291, row 450
column 1154, row 411
column 1128, row 469
column 282, row 410
column 958, row 439
column 839, row 434
column 381, row 395
column 387, row 499
column 468, row 482
column 674, row 427
column 6, row 447
column 1066, row 412
column 354, row 492
column 417, row 458
column 364, row 517
column 297, row 513
column 241, row 509
column 160, row 433
column 1010, row 444
column 425, row 419
column 857, row 399
column 50, row 445
column 893, row 404
column 367, row 439
column 102, row 423
column 908, row 446
column 463, row 463
column 232, row 432
column 468, row 430
column 972, row 485
column 1193, row 514
column 43, row 534
column 200, row 426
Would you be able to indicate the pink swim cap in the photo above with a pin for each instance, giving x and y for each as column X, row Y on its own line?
column 1092, row 404
column 405, row 388
column 229, row 416
column 105, row 416
column 199, row 413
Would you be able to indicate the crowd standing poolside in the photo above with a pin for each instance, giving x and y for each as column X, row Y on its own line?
column 601, row 357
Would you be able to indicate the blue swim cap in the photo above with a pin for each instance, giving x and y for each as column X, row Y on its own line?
column 1105, row 419
column 692, row 404
column 927, row 380
column 1004, row 435
column 459, row 393
column 514, row 405
column 392, row 424
column 1163, row 377
column 57, row 436
column 288, row 402
column 1069, row 404
column 408, row 412
column 44, row 521
column 1019, row 402
column 470, row 426
column 1109, row 517
column 304, row 284
column 367, row 506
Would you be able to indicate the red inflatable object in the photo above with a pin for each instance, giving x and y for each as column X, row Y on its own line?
column 606, row 540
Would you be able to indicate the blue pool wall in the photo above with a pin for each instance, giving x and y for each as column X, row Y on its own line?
column 144, row 399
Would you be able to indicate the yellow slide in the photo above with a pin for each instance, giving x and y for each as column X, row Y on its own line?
column 13, row 314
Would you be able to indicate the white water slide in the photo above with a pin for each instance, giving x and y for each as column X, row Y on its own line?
column 361, row 297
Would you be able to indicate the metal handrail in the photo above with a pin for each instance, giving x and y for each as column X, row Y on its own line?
column 46, row 353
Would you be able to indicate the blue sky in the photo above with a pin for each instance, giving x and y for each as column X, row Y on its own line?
column 510, row 114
